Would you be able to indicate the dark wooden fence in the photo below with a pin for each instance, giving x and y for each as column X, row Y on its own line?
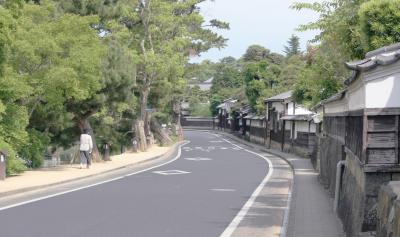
column 199, row 123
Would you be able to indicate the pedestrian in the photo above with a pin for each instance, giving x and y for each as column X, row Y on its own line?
column 86, row 147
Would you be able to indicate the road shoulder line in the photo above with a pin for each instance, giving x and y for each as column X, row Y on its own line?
column 245, row 209
column 285, row 221
column 98, row 183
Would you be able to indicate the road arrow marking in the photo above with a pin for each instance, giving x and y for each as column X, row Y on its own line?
column 171, row 172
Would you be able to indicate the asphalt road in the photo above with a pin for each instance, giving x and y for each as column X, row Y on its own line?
column 198, row 194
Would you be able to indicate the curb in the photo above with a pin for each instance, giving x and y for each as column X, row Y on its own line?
column 171, row 151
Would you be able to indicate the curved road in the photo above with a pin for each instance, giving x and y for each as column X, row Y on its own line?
column 197, row 195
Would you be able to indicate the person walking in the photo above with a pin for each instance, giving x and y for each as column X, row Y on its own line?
column 86, row 147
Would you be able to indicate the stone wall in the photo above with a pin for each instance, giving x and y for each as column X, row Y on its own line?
column 388, row 224
column 358, row 204
column 352, row 197
column 331, row 151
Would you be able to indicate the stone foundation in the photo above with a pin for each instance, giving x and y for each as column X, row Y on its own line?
column 359, row 190
column 388, row 223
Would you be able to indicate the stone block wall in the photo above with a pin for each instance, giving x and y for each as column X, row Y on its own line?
column 388, row 224
column 358, row 205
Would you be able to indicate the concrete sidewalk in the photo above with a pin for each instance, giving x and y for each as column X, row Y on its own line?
column 311, row 210
column 41, row 178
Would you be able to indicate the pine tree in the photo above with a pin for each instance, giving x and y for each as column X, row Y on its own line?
column 293, row 47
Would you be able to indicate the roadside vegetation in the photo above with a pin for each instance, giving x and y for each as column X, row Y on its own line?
column 348, row 30
column 114, row 67
column 121, row 68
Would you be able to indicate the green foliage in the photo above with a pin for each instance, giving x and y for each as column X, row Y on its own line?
column 338, row 24
column 255, row 53
column 379, row 23
column 14, row 164
column 200, row 110
column 33, row 150
column 318, row 79
column 261, row 80
column 293, row 47
column 200, row 72
column 227, row 75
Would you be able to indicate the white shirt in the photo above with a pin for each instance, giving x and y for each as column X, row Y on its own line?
column 86, row 143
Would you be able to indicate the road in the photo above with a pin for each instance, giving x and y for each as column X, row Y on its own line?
column 198, row 194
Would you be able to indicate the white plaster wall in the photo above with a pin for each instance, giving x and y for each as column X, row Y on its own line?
column 301, row 126
column 279, row 107
column 383, row 92
column 313, row 128
column 288, row 125
column 302, row 110
column 336, row 107
column 355, row 95
column 290, row 108
column 297, row 110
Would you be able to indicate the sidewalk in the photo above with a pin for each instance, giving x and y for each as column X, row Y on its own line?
column 311, row 210
column 41, row 178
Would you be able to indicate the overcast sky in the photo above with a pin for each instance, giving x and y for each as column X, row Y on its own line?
column 266, row 22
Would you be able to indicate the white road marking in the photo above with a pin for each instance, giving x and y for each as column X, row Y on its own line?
column 171, row 172
column 96, row 184
column 245, row 209
column 223, row 148
column 216, row 141
column 223, row 190
column 198, row 159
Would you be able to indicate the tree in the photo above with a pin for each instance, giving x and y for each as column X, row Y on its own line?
column 293, row 47
column 339, row 41
column 260, row 82
column 379, row 23
column 338, row 24
column 227, row 75
column 256, row 53
column 13, row 89
column 158, row 47
column 59, row 57
column 290, row 72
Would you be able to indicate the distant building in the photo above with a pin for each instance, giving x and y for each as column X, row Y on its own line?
column 224, row 116
column 290, row 125
column 204, row 86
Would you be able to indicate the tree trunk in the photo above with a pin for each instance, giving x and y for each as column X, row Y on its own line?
column 83, row 124
column 143, row 130
column 140, row 135
column 177, row 127
column 160, row 134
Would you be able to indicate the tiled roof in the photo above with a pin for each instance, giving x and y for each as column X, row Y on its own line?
column 246, row 109
column 280, row 97
column 335, row 97
column 380, row 57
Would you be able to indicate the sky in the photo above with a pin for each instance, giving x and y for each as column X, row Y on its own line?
column 269, row 23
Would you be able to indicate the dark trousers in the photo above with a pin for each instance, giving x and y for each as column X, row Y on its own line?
column 85, row 158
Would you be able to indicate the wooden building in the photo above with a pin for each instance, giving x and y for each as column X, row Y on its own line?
column 257, row 129
column 299, row 134
column 290, row 125
column 361, row 127
column 224, row 114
